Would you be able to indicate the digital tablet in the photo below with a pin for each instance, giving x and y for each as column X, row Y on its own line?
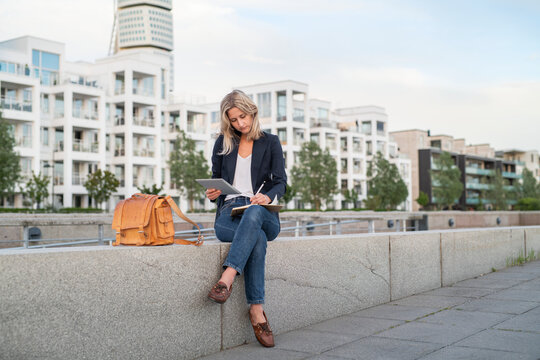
column 220, row 184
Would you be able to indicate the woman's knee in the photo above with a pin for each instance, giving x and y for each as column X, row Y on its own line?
column 224, row 233
column 254, row 213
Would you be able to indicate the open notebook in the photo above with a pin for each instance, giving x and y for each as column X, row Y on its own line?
column 273, row 207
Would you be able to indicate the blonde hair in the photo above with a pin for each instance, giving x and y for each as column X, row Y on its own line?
column 240, row 100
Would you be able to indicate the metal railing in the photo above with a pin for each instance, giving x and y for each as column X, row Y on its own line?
column 8, row 103
column 300, row 228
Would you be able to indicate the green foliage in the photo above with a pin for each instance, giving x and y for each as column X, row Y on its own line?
column 100, row 185
column 522, row 258
column 423, row 199
column 528, row 204
column 528, row 187
column 315, row 175
column 290, row 193
column 186, row 164
column 350, row 196
column 10, row 167
column 37, row 188
column 154, row 190
column 497, row 195
column 386, row 188
column 446, row 180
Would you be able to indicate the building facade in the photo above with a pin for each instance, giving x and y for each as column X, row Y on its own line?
column 72, row 118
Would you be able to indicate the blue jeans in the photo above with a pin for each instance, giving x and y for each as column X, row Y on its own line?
column 248, row 234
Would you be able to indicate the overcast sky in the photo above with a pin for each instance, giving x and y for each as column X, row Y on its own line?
column 470, row 69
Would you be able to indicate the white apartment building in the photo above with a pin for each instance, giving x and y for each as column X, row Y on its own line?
column 70, row 119
column 349, row 133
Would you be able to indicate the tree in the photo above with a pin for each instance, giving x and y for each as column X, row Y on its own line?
column 10, row 169
column 290, row 193
column 100, row 185
column 315, row 175
column 497, row 194
column 386, row 188
column 528, row 187
column 37, row 188
column 423, row 199
column 154, row 190
column 186, row 164
column 350, row 196
column 446, row 181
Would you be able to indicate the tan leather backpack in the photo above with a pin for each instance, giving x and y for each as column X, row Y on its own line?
column 147, row 220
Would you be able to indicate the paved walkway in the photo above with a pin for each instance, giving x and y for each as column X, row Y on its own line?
column 496, row 316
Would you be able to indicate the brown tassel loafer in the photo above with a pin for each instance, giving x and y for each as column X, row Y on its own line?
column 219, row 292
column 263, row 333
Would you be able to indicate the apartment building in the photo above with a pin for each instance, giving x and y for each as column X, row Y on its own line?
column 476, row 174
column 70, row 119
column 352, row 135
column 468, row 157
column 524, row 159
column 117, row 114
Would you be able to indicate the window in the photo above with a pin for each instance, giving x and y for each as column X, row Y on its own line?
column 45, row 136
column 436, row 144
column 366, row 127
column 214, row 117
column 264, row 104
column 380, row 128
column 344, row 168
column 298, row 115
column 343, row 142
column 282, row 107
column 322, row 114
column 282, row 135
column 369, row 150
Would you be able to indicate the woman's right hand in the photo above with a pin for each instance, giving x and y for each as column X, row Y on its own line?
column 213, row 194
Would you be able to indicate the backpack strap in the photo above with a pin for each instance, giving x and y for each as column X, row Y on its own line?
column 117, row 220
column 200, row 238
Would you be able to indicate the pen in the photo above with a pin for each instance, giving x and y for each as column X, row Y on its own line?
column 260, row 188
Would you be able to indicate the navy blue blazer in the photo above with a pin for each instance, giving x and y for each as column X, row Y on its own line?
column 267, row 164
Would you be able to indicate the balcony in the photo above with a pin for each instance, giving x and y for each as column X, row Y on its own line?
column 143, row 153
column 13, row 104
column 142, row 121
column 143, row 91
column 477, row 186
column 59, row 146
column 119, row 90
column 77, row 179
column 477, row 171
column 81, row 146
column 58, row 113
column 511, row 175
column 24, row 141
column 119, row 120
column 85, row 114
column 120, row 151
column 58, row 180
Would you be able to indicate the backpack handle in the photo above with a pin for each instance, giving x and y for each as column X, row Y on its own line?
column 200, row 238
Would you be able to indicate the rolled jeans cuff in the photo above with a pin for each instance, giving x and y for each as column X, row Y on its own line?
column 228, row 264
column 254, row 302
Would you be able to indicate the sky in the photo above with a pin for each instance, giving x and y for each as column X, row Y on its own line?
column 465, row 68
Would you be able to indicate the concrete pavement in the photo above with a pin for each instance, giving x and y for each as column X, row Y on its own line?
column 495, row 316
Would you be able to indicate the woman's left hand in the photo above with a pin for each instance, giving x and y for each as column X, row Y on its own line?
column 260, row 199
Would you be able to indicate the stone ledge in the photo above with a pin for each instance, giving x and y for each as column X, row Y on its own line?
column 129, row 302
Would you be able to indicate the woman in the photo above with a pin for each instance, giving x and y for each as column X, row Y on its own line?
column 252, row 161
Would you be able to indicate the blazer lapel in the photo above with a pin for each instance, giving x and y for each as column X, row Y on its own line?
column 230, row 160
column 259, row 148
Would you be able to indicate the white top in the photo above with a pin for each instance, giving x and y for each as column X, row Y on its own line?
column 242, row 178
